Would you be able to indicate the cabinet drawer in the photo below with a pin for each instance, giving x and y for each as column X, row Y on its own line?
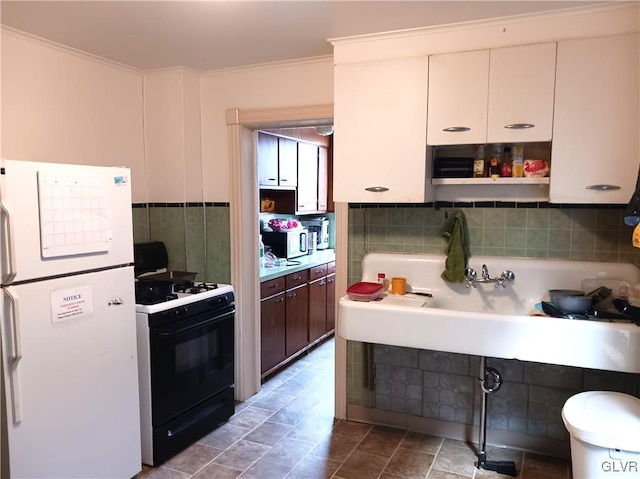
column 296, row 279
column 317, row 272
column 331, row 267
column 271, row 287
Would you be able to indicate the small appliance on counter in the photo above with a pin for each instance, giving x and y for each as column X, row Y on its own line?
column 320, row 226
column 312, row 243
column 287, row 244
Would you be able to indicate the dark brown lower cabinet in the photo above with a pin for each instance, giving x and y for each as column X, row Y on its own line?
column 272, row 328
column 317, row 308
column 297, row 319
column 296, row 311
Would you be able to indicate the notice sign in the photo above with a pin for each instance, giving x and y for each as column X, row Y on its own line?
column 73, row 303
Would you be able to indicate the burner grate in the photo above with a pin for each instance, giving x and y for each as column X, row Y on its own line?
column 195, row 288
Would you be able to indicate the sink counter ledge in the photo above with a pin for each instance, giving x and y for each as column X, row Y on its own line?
column 605, row 345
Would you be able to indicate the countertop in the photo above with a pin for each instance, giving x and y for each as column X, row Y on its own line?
column 305, row 262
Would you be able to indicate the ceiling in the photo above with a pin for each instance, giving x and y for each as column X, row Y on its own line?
column 215, row 34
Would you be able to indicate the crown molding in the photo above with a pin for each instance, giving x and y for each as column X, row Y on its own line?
column 576, row 22
column 66, row 49
column 269, row 65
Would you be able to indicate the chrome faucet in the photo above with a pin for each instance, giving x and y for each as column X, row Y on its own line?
column 471, row 277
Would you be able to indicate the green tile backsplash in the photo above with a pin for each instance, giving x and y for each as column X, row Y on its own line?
column 591, row 234
column 196, row 236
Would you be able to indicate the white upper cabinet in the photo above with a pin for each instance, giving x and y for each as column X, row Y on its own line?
column 458, row 96
column 267, row 160
column 503, row 95
column 307, row 198
column 521, row 89
column 323, row 178
column 595, row 154
column 380, row 114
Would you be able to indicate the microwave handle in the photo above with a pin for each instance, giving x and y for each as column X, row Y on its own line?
column 303, row 242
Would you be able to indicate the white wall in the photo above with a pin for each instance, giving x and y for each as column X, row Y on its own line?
column 59, row 106
column 279, row 85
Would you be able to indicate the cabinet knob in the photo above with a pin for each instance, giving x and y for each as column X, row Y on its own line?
column 603, row 187
column 519, row 126
column 377, row 189
column 456, row 129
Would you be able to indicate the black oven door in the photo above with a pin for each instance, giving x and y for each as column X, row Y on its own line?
column 191, row 360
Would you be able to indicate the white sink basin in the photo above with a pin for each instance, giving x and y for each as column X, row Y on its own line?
column 492, row 322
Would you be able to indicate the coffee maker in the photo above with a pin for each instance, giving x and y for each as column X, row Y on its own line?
column 320, row 226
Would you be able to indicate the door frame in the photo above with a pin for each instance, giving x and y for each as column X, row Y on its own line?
column 242, row 126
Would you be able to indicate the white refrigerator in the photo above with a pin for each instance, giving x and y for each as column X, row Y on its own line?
column 69, row 357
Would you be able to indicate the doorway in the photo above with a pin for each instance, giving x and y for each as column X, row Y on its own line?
column 242, row 127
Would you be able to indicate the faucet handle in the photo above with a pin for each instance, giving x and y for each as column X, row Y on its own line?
column 470, row 276
column 505, row 277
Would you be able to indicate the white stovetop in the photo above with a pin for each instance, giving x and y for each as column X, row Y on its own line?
column 183, row 299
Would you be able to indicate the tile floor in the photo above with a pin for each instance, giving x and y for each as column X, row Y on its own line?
column 287, row 430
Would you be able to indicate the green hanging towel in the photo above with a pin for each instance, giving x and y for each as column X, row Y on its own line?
column 457, row 250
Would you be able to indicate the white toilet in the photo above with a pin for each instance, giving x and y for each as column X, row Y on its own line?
column 605, row 435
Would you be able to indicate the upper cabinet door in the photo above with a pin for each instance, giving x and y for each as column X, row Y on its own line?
column 323, row 178
column 458, row 95
column 267, row 159
column 287, row 162
column 521, row 89
column 380, row 115
column 596, row 121
column 307, row 177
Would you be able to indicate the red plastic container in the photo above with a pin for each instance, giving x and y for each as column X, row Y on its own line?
column 365, row 291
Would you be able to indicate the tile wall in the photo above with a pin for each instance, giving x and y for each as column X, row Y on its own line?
column 443, row 386
column 196, row 236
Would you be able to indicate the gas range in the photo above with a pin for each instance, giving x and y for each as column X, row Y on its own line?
column 184, row 295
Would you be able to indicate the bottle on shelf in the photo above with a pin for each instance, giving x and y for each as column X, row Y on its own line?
column 496, row 161
column 479, row 168
column 517, row 167
column 494, row 169
column 506, row 167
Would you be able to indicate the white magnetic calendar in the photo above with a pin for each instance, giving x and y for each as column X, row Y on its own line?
column 75, row 214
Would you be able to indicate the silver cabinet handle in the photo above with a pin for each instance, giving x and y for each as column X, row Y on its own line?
column 603, row 187
column 456, row 129
column 519, row 126
column 377, row 189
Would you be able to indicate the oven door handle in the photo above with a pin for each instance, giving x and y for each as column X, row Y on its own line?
column 174, row 332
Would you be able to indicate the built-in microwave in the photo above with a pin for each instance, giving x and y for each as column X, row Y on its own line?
column 287, row 244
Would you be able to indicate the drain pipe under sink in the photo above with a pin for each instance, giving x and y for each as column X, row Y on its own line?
column 488, row 387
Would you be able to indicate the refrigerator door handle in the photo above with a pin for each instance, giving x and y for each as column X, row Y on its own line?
column 15, row 354
column 10, row 246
